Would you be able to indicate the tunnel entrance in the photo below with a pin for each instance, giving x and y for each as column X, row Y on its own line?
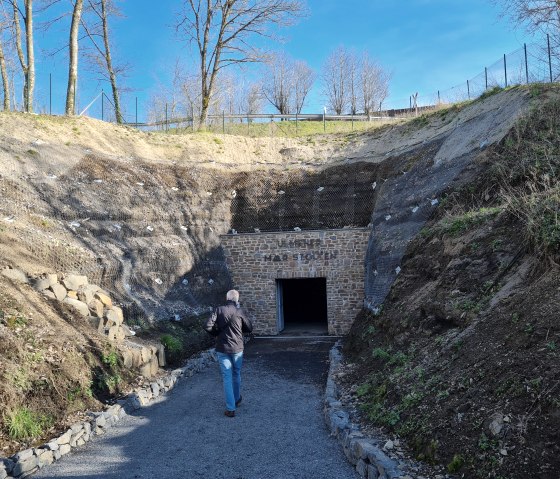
column 302, row 306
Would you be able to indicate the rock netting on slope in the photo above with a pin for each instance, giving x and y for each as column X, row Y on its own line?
column 25, row 463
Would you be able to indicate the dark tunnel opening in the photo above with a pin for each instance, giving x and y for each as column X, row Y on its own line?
column 302, row 307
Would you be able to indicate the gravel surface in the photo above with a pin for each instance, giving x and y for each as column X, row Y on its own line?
column 278, row 432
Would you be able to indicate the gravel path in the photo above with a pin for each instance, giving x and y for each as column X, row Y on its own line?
column 278, row 432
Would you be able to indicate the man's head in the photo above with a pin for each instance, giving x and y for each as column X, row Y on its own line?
column 232, row 295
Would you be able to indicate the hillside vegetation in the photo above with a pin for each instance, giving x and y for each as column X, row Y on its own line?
column 468, row 332
column 463, row 359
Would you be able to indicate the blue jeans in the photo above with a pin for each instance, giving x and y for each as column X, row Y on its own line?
column 230, row 366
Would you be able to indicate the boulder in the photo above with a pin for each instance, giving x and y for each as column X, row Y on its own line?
column 59, row 291
column 161, row 356
column 96, row 308
column 78, row 306
column 104, row 298
column 114, row 316
column 45, row 282
column 49, row 294
column 16, row 275
column 74, row 281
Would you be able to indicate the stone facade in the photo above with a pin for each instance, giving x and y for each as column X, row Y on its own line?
column 257, row 260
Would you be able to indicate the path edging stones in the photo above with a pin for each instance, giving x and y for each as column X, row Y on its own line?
column 26, row 462
column 364, row 453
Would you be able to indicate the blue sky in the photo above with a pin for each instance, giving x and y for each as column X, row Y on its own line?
column 426, row 45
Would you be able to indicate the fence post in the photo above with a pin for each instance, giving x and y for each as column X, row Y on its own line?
column 438, row 97
column 486, row 77
column 505, row 70
column 50, row 93
column 549, row 56
column 526, row 64
column 468, row 89
column 102, row 105
column 352, row 121
column 136, row 112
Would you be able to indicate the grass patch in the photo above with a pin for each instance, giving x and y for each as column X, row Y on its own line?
column 458, row 224
column 173, row 347
column 24, row 424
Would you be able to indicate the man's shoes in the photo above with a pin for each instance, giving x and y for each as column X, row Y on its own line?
column 229, row 413
column 238, row 402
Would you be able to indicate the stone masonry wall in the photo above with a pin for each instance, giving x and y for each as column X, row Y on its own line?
column 255, row 261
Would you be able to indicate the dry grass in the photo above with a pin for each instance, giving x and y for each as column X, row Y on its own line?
column 528, row 171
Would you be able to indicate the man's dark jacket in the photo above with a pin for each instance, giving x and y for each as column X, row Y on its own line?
column 228, row 323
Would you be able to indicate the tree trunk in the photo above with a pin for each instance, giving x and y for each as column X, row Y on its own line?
column 30, row 83
column 73, row 61
column 109, row 62
column 5, row 81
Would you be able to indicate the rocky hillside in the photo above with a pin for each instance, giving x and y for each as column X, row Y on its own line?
column 140, row 215
column 463, row 358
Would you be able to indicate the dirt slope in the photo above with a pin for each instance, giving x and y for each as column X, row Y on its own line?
column 141, row 213
column 462, row 361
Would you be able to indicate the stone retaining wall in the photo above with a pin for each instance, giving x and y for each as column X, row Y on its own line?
column 25, row 463
column 96, row 306
column 256, row 261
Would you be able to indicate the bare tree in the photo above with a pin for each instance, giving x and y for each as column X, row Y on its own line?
column 536, row 15
column 73, row 58
column 353, row 76
column 27, row 60
column 223, row 30
column 277, row 82
column 303, row 78
column 335, row 79
column 102, row 58
column 374, row 83
column 252, row 99
column 3, row 68
column 286, row 83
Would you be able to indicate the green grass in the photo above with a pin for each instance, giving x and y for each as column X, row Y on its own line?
column 457, row 224
column 110, row 359
column 24, row 424
column 289, row 129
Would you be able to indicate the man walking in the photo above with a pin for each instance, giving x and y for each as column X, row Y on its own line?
column 227, row 324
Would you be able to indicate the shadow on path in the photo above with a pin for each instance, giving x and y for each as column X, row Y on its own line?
column 278, row 432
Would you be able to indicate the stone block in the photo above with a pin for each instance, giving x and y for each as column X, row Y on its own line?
column 64, row 449
column 104, row 298
column 86, row 294
column 65, row 438
column 361, row 468
column 15, row 274
column 23, row 455
column 114, row 316
column 59, row 291
column 145, row 354
column 26, row 466
column 77, row 305
column 74, row 281
column 96, row 308
column 161, row 356
column 72, row 294
column 49, row 294
column 45, row 282
column 155, row 389
column 45, row 458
